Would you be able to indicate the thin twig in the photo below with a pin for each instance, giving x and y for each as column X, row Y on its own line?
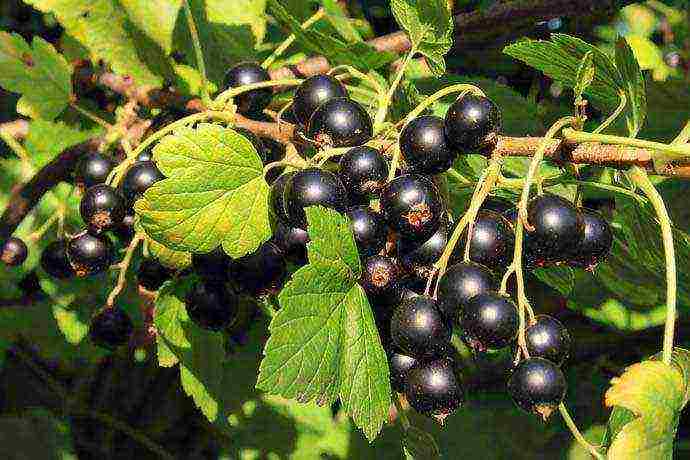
column 123, row 267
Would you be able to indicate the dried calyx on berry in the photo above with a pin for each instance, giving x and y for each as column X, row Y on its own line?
column 102, row 208
column 363, row 170
column 340, row 122
column 432, row 388
column 89, row 254
column 413, row 206
column 380, row 275
column 537, row 386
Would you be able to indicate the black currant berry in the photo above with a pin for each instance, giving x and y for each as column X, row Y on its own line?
column 433, row 389
column 423, row 146
column 369, row 230
column 399, row 365
column 413, row 206
column 460, row 283
column 276, row 197
column 596, row 241
column 54, row 260
column 419, row 329
column 340, row 122
column 152, row 274
column 252, row 102
column 472, row 122
column 313, row 92
column 89, row 254
column 532, row 256
column 489, row 321
column 110, row 328
column 311, row 187
column 292, row 242
column 125, row 231
column 93, row 169
column 537, row 386
column 492, row 241
column 211, row 306
column 139, row 177
column 14, row 252
column 102, row 208
column 380, row 276
column 363, row 170
column 212, row 266
column 548, row 338
column 414, row 255
column 261, row 272
column 558, row 226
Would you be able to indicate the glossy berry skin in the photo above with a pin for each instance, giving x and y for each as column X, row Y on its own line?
column 558, row 226
column 102, row 208
column 363, row 170
column 472, row 122
column 413, row 206
column 596, row 241
column 261, row 272
column 419, row 329
column 110, row 328
column 89, row 254
column 433, row 389
column 312, row 187
column 489, row 321
column 399, row 365
column 14, row 252
column 548, row 338
column 340, row 122
column 313, row 92
column 211, row 306
column 139, row 177
column 380, row 276
column 152, row 274
column 424, row 147
column 292, row 242
column 93, row 169
column 54, row 260
column 369, row 230
column 276, row 197
column 537, row 386
column 246, row 73
column 492, row 241
column 413, row 254
column 460, row 283
column 212, row 266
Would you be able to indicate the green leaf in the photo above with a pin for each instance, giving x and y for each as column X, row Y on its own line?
column 430, row 27
column 214, row 193
column 336, row 16
column 38, row 73
column 584, row 76
column 419, row 444
column 172, row 259
column 634, row 84
column 171, row 313
column 331, row 240
column 48, row 139
column 156, row 18
column 560, row 59
column 654, row 394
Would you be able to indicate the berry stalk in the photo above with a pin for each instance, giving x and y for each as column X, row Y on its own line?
column 320, row 13
column 579, row 437
column 205, row 97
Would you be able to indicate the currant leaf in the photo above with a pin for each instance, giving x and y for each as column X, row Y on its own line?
column 47, row 139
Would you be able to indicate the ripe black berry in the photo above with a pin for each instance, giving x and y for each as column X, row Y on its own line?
column 89, row 254
column 492, row 241
column 276, row 197
column 472, row 122
column 419, row 329
column 152, row 274
column 212, row 266
column 110, row 328
column 211, row 306
column 313, row 92
column 369, row 230
column 399, row 365
column 558, row 226
column 489, row 321
column 261, row 272
column 125, row 231
column 246, row 73
column 14, row 252
column 424, row 147
column 548, row 338
column 596, row 241
column 460, row 283
column 102, row 208
column 532, row 256
column 380, row 276
column 292, row 242
column 310, row 187
column 54, row 260
column 340, row 122
column 363, row 170
column 139, row 177
column 433, row 389
column 537, row 386
column 93, row 169
column 413, row 254
column 413, row 206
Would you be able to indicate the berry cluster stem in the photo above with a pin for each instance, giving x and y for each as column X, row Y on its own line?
column 671, row 151
column 579, row 437
column 614, row 116
column 205, row 97
column 387, row 97
column 429, row 101
column 320, row 13
column 123, row 267
column 222, row 99
column 640, row 178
